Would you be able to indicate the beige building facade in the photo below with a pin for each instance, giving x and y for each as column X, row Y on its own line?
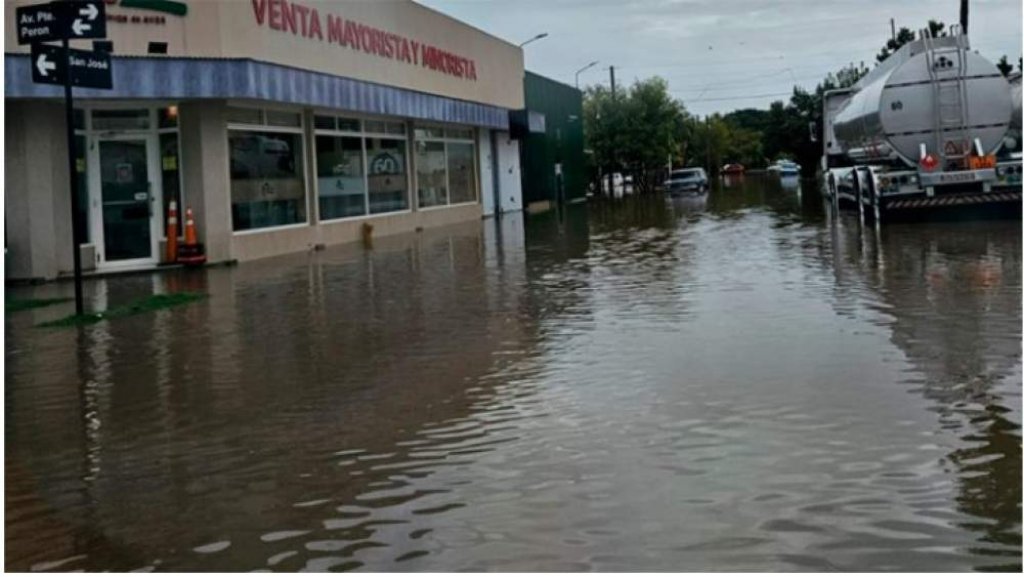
column 284, row 126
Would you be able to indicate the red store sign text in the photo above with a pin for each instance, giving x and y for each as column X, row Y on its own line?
column 304, row 21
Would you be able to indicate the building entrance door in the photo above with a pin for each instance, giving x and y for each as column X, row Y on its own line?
column 126, row 201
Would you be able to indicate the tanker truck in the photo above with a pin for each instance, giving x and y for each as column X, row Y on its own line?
column 934, row 126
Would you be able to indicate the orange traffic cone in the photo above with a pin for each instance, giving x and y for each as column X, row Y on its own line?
column 190, row 227
column 172, row 231
column 192, row 251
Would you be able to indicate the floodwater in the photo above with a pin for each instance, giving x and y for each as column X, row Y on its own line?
column 639, row 384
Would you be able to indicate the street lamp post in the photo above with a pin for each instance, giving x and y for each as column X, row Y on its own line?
column 591, row 65
column 537, row 37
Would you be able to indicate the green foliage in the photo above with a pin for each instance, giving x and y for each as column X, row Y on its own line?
column 904, row 36
column 1004, row 66
column 717, row 140
column 936, row 28
column 152, row 303
column 634, row 131
column 786, row 129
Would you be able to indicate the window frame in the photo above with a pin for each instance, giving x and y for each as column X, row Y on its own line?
column 90, row 133
column 300, row 131
column 363, row 135
column 446, row 140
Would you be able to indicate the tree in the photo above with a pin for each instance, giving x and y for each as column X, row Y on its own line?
column 1004, row 66
column 904, row 36
column 936, row 28
column 636, row 131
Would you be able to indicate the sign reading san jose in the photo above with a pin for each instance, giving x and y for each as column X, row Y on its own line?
column 50, row 64
column 60, row 20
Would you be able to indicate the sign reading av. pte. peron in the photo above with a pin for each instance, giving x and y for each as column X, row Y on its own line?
column 60, row 20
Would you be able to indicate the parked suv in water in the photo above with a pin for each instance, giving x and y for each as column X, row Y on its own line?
column 687, row 181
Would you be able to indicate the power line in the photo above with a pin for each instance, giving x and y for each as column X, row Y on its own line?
column 748, row 97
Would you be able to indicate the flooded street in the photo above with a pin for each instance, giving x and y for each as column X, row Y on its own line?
column 639, row 384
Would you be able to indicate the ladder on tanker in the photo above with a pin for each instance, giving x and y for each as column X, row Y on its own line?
column 947, row 66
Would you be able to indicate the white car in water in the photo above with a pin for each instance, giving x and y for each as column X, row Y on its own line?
column 687, row 181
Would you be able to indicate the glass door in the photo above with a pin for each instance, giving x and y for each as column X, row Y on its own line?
column 127, row 200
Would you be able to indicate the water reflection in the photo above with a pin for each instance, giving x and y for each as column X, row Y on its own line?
column 952, row 295
column 733, row 383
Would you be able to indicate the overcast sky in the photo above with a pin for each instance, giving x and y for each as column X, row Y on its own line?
column 719, row 55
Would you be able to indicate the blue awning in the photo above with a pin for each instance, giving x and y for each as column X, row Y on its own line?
column 195, row 78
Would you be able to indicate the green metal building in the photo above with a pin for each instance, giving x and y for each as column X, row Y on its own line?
column 558, row 145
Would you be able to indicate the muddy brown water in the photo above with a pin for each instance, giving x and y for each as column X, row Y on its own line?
column 728, row 384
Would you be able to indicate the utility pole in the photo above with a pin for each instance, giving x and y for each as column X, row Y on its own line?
column 707, row 124
column 892, row 24
column 963, row 16
column 611, row 180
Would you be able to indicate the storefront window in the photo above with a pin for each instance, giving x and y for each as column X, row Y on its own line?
column 387, row 174
column 375, row 126
column 277, row 118
column 445, row 166
column 168, row 117
column 357, row 171
column 340, row 180
column 267, row 187
column 170, row 174
column 236, row 115
column 136, row 119
column 349, row 125
column 461, row 176
column 325, row 122
column 431, row 177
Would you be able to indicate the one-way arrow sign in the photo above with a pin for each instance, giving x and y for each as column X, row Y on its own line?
column 88, row 69
column 44, row 65
column 59, row 20
column 89, row 19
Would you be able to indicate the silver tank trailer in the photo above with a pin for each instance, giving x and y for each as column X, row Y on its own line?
column 893, row 109
column 1015, row 118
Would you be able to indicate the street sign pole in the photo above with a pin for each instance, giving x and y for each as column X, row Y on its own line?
column 78, row 19
column 76, row 226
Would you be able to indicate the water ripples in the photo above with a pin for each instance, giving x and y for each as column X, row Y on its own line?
column 643, row 385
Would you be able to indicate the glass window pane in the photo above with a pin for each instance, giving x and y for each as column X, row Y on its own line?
column 388, row 180
column 463, row 133
column 171, row 176
column 375, row 126
column 244, row 115
column 324, row 122
column 396, row 128
column 339, row 176
column 429, row 132
column 431, row 189
column 79, row 119
column 349, row 124
column 278, row 118
column 266, row 179
column 168, row 117
column 461, row 173
column 120, row 119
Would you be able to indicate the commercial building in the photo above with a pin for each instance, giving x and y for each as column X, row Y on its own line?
column 552, row 159
column 284, row 125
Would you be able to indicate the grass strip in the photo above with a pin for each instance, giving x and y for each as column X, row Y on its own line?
column 16, row 305
column 152, row 303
